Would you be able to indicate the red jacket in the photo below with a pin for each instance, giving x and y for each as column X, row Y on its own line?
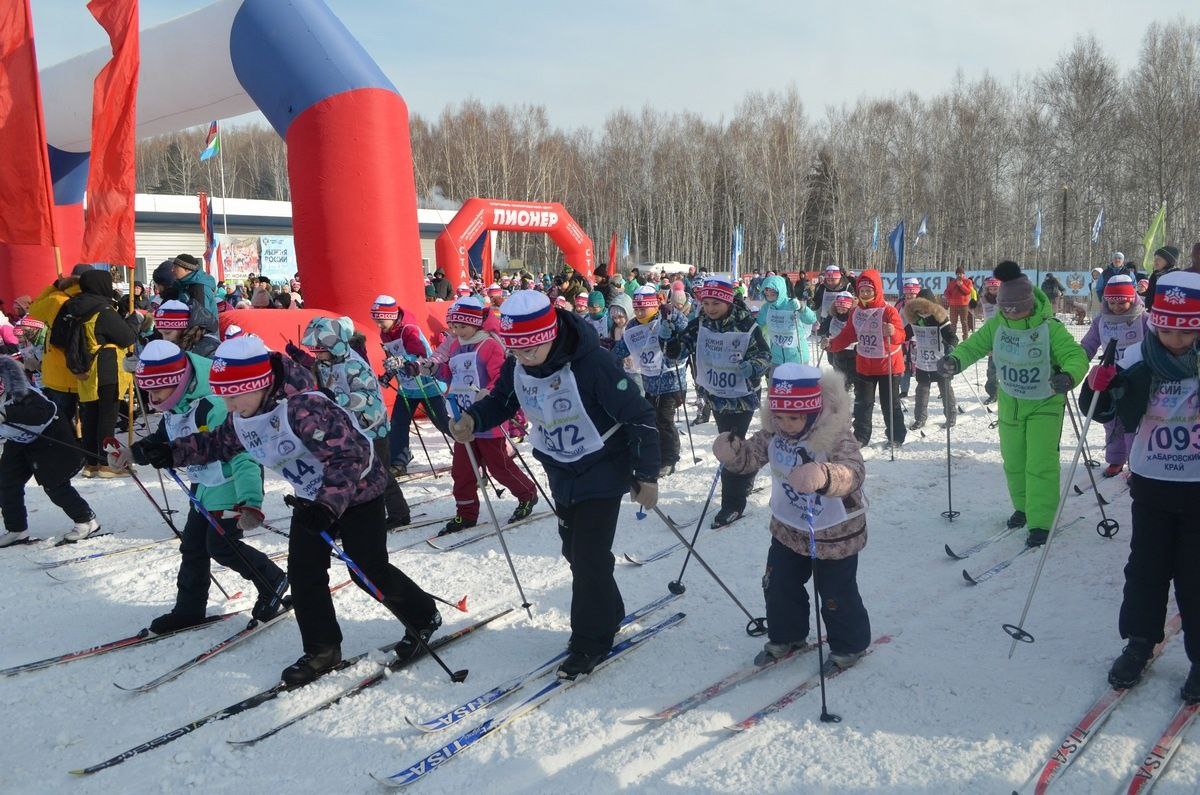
column 959, row 293
column 849, row 334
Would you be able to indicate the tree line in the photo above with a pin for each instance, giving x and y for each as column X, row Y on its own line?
column 979, row 159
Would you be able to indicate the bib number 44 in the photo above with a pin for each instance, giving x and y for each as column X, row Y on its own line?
column 302, row 471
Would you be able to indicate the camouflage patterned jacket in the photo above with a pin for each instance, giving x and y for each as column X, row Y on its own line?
column 349, row 378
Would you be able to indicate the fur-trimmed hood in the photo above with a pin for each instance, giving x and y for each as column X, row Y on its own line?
column 916, row 308
column 12, row 376
column 834, row 416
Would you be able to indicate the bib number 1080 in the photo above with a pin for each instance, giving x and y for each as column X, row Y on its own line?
column 722, row 378
column 1021, row 375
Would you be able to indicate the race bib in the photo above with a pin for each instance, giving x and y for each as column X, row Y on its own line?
column 561, row 427
column 989, row 310
column 827, row 298
column 1166, row 445
column 1127, row 333
column 718, row 359
column 644, row 350
column 868, row 323
column 781, row 326
column 464, row 379
column 179, row 425
column 787, row 505
column 1022, row 358
column 927, row 347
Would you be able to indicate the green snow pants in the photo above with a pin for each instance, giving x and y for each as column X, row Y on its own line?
column 1029, row 437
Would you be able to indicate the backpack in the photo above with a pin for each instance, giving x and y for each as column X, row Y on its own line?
column 68, row 334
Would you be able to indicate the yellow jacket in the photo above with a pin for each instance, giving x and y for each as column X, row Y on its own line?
column 55, row 374
column 89, row 387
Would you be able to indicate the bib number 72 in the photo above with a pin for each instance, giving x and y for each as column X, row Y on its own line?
column 559, row 439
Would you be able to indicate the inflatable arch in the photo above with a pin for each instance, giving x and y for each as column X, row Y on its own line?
column 479, row 216
column 350, row 168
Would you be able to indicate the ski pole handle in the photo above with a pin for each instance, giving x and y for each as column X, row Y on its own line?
column 350, row 564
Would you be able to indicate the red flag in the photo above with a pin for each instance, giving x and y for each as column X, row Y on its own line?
column 25, row 185
column 612, row 256
column 108, row 221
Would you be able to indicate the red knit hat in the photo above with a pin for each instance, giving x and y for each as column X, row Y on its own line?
column 385, row 308
column 581, row 299
column 468, row 311
column 991, row 281
column 162, row 364
column 1177, row 302
column 527, row 320
column 645, row 297
column 1120, row 288
column 240, row 365
column 173, row 315
column 29, row 321
column 795, row 388
column 717, row 287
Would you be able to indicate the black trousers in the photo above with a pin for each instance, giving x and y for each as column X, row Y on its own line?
column 889, row 403
column 364, row 539
column 1164, row 548
column 402, row 409
column 98, row 421
column 664, row 417
column 945, row 392
column 16, row 468
column 587, row 529
column 735, row 488
column 201, row 543
column 847, row 624
column 67, row 404
column 394, row 503
column 990, row 386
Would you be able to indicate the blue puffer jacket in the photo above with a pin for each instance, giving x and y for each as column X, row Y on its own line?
column 674, row 374
column 609, row 397
column 801, row 322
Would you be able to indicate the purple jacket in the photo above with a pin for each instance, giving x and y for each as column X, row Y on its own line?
column 341, row 448
column 1091, row 340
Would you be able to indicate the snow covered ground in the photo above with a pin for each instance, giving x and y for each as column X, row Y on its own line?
column 941, row 708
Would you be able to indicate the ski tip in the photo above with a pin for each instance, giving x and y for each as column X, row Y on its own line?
column 951, row 553
column 970, row 580
column 241, row 743
column 629, row 559
column 387, row 782
column 79, row 772
column 462, row 605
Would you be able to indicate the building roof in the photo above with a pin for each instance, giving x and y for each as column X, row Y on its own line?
column 154, row 208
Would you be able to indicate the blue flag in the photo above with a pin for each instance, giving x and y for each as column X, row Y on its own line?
column 1097, row 225
column 1037, row 229
column 923, row 229
column 875, row 235
column 896, row 241
column 737, row 251
column 782, row 237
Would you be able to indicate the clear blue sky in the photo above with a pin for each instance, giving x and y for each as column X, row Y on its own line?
column 582, row 60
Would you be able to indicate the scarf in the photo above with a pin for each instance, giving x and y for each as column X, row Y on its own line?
column 1166, row 366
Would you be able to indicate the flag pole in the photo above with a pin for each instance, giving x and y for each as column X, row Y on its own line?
column 224, row 209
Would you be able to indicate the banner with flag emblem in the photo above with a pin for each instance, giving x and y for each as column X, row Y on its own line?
column 212, row 142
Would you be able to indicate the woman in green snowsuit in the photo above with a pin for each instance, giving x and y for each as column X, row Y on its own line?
column 1037, row 363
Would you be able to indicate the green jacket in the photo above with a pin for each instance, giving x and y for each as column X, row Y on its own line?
column 1066, row 355
column 246, row 485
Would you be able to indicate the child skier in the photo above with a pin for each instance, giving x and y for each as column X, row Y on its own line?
column 594, row 434
column 348, row 377
column 405, row 343
column 1038, row 362
column 177, row 385
column 597, row 317
column 807, row 443
column 877, row 331
column 1154, row 390
column 1122, row 317
column 731, row 358
column 472, row 367
column 39, row 444
column 173, row 321
column 831, row 325
column 910, row 290
column 987, row 303
column 277, row 415
column 664, row 380
column 785, row 322
column 932, row 338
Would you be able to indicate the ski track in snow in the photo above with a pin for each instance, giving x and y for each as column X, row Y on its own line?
column 941, row 708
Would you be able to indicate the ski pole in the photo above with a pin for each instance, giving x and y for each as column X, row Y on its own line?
column 1018, row 632
column 687, row 422
column 949, row 513
column 161, row 486
column 259, row 579
column 412, row 418
column 525, row 603
column 455, row 676
column 675, row 586
column 429, row 414
column 893, row 402
column 1088, row 462
column 528, row 471
column 975, row 392
column 826, row 715
column 1107, row 528
column 756, row 626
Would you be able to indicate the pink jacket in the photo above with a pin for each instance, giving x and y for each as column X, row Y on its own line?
column 489, row 358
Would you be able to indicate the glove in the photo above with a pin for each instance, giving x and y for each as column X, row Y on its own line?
column 809, row 478
column 463, row 428
column 645, row 494
column 665, row 332
column 1101, row 377
column 948, row 367
column 411, row 369
column 673, row 348
column 156, row 454
column 119, row 456
column 393, row 364
column 130, row 364
column 888, row 330
column 1061, row 383
column 312, row 517
column 293, row 351
column 249, row 518
column 746, row 369
column 725, row 447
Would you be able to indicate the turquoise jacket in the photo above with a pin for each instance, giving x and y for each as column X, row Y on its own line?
column 802, row 319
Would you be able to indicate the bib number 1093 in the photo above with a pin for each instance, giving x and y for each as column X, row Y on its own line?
column 1175, row 437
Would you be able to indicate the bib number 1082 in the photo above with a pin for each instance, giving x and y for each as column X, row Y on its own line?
column 1021, row 375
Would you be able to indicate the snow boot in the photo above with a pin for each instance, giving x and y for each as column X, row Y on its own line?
column 409, row 646
column 173, row 622
column 916, row 425
column 1016, row 520
column 725, row 516
column 82, row 530
column 457, row 524
column 1190, row 692
column 271, row 603
column 989, row 400
column 394, row 522
column 578, row 663
column 844, row 660
column 398, row 470
column 1126, row 670
column 1037, row 537
column 311, row 665
column 14, row 537
column 667, row 469
column 106, row 472
column 772, row 651
column 524, row 509
column 1112, row 470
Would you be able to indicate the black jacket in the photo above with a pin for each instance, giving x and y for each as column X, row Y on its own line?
column 53, row 462
column 96, row 298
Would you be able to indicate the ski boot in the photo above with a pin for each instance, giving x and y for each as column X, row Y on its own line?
column 1037, row 537
column 524, row 509
column 577, row 664
column 14, row 537
column 457, row 524
column 1112, row 470
column 1190, row 692
column 772, row 651
column 398, row 470
column 82, row 530
column 1016, row 520
column 271, row 603
column 311, row 665
column 844, row 660
column 916, row 425
column 1126, row 670
column 410, row 644
column 173, row 622
column 724, row 517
